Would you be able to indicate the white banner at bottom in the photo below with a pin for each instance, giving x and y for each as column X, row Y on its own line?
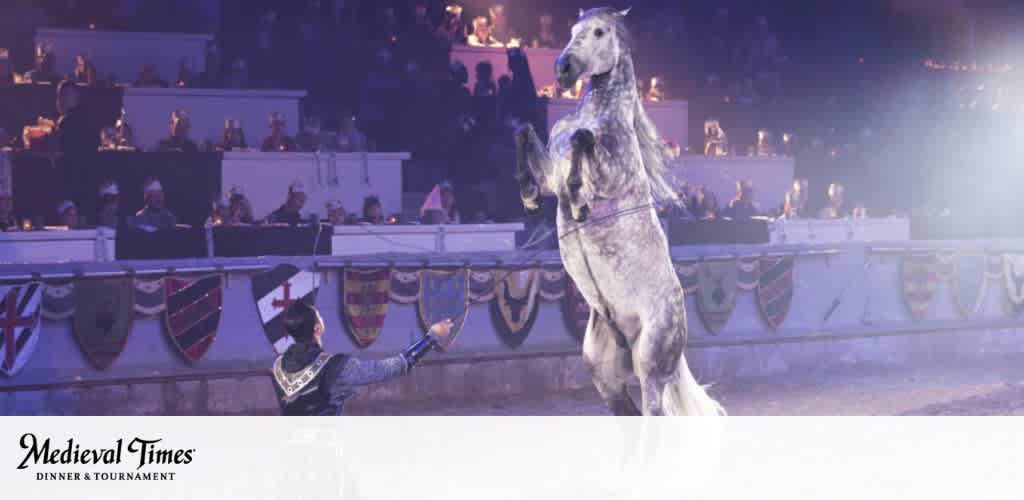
column 494, row 458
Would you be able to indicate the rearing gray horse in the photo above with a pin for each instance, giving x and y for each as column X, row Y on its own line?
column 604, row 163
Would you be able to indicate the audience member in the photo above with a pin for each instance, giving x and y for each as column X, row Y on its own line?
column 546, row 37
column 278, row 139
column 179, row 140
column 440, row 207
column 481, row 36
column 72, row 128
column 499, row 24
column 742, row 207
column 220, row 213
column 234, row 136
column 484, row 80
column 451, row 30
column 149, row 78
column 336, row 213
column 859, row 211
column 240, row 211
column 350, row 139
column 85, row 72
column 290, row 211
column 187, row 77
column 796, row 200
column 834, row 210
column 716, row 143
column 765, row 143
column 655, row 92
column 154, row 215
column 123, row 132
column 108, row 214
column 703, row 203
column 309, row 139
column 67, row 215
column 8, row 221
column 373, row 213
column 44, row 68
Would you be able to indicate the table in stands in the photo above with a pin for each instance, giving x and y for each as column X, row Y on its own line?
column 838, row 231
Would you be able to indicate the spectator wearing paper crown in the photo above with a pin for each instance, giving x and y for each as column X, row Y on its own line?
column 154, row 215
column 439, row 207
column 67, row 215
column 278, row 139
column 336, row 213
column 289, row 213
column 109, row 205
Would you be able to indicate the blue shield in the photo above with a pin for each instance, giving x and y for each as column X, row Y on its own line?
column 444, row 295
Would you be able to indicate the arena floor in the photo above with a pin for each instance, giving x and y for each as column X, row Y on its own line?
column 993, row 388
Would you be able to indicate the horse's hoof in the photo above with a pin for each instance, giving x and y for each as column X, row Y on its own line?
column 523, row 133
column 582, row 214
column 582, row 139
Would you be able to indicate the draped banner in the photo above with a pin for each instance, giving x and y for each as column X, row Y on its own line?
column 444, row 295
column 19, row 324
column 775, row 289
column 552, row 284
column 58, row 300
column 150, row 298
column 747, row 273
column 193, row 313
column 405, row 286
column 716, row 293
column 481, row 285
column 1013, row 272
column 103, row 318
column 514, row 308
column 575, row 310
column 364, row 303
column 687, row 273
column 920, row 279
column 969, row 283
column 274, row 291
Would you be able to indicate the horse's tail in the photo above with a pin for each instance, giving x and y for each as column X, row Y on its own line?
column 686, row 396
column 652, row 152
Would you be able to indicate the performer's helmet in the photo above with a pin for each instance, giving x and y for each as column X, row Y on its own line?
column 300, row 320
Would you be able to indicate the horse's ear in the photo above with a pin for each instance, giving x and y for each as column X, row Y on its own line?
column 581, row 12
column 624, row 12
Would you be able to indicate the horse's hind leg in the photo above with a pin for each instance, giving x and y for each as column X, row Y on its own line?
column 656, row 354
column 609, row 364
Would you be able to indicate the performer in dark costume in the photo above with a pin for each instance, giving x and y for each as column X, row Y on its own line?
column 309, row 381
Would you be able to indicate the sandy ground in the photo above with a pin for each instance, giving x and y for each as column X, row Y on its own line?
column 993, row 388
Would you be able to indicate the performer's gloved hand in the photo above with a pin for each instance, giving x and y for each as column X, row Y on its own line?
column 441, row 330
column 415, row 352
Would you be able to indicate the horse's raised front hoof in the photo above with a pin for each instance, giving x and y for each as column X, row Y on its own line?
column 582, row 139
column 523, row 134
column 582, row 214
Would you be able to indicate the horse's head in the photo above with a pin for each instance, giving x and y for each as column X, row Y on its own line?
column 598, row 40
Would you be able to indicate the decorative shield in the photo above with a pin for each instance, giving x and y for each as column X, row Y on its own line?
column 969, row 284
column 444, row 295
column 716, row 293
column 20, row 319
column 920, row 279
column 514, row 307
column 481, row 285
column 687, row 273
column 1013, row 272
column 274, row 291
column 552, row 284
column 405, row 286
column 193, row 313
column 58, row 300
column 150, row 298
column 575, row 310
column 747, row 273
column 364, row 303
column 103, row 318
column 775, row 289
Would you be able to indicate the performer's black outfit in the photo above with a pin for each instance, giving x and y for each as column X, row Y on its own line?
column 309, row 381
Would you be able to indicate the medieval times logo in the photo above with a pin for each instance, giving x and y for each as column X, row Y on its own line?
column 142, row 454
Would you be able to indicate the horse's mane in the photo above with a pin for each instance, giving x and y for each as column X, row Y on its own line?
column 652, row 151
